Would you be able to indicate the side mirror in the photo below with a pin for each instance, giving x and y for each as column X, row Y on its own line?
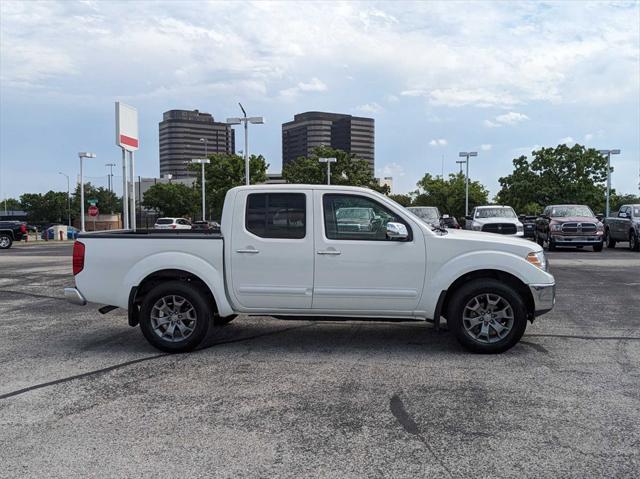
column 397, row 231
column 599, row 216
column 468, row 218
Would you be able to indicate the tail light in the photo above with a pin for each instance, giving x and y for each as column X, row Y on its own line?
column 23, row 228
column 78, row 257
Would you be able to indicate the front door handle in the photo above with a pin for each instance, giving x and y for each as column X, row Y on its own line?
column 329, row 251
column 251, row 251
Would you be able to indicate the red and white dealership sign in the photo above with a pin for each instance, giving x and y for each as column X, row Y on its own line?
column 126, row 127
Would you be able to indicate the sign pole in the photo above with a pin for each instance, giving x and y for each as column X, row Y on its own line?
column 132, row 197
column 125, row 192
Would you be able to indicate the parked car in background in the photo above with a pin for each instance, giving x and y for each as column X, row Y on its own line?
column 172, row 224
column 348, row 219
column 569, row 225
column 201, row 225
column 529, row 225
column 11, row 231
column 428, row 214
column 625, row 226
column 184, row 288
column 494, row 219
column 450, row 222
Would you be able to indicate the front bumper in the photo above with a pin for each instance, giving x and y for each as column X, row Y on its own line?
column 74, row 296
column 544, row 297
column 576, row 240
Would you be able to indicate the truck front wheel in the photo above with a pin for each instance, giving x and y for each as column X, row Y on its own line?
column 611, row 243
column 487, row 316
column 175, row 317
column 634, row 242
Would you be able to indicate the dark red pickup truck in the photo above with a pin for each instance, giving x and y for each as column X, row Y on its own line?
column 11, row 231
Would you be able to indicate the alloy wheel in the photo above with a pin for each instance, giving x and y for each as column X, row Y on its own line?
column 173, row 318
column 488, row 318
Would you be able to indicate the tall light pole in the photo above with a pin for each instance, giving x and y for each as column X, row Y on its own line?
column 81, row 155
column 461, row 162
column 202, row 161
column 608, row 153
column 246, row 120
column 467, row 154
column 328, row 161
column 205, row 141
column 68, row 197
column 110, row 165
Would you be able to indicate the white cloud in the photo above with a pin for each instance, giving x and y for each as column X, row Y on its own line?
column 486, row 147
column 372, row 107
column 394, row 170
column 438, row 142
column 314, row 85
column 567, row 140
column 511, row 118
column 588, row 137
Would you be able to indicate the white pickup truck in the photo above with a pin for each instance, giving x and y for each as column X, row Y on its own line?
column 294, row 251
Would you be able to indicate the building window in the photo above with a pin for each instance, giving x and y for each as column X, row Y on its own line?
column 276, row 215
column 351, row 217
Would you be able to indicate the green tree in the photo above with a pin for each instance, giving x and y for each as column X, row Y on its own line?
column 10, row 204
column 50, row 207
column 223, row 173
column 618, row 200
column 449, row 194
column 347, row 170
column 404, row 200
column 172, row 199
column 556, row 175
column 108, row 202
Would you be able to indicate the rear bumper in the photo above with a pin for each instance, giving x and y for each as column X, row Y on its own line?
column 544, row 297
column 74, row 296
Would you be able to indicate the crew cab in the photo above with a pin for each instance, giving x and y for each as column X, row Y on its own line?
column 11, row 231
column 284, row 251
column 569, row 225
column 625, row 226
column 494, row 219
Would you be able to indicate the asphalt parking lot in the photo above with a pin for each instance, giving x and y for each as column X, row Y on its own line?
column 84, row 395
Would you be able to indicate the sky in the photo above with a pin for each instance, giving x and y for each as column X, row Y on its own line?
column 501, row 78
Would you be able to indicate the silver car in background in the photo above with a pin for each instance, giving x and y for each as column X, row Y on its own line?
column 494, row 219
column 429, row 214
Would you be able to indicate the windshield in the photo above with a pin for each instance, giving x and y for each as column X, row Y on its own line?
column 425, row 212
column 164, row 221
column 353, row 213
column 571, row 210
column 495, row 213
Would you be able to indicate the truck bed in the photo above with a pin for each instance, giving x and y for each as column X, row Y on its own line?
column 153, row 233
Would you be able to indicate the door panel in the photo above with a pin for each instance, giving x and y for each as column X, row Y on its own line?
column 272, row 250
column 357, row 268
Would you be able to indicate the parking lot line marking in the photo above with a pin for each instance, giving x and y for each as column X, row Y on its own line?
column 595, row 338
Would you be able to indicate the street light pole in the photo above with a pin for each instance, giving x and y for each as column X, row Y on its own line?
column 68, row 197
column 110, row 182
column 328, row 161
column 608, row 153
column 246, row 120
column 202, row 161
column 205, row 141
column 461, row 162
column 467, row 154
column 81, row 155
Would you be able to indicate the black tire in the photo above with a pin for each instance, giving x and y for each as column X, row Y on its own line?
column 634, row 241
column 483, row 286
column 5, row 241
column 611, row 243
column 598, row 247
column 220, row 321
column 199, row 303
column 551, row 245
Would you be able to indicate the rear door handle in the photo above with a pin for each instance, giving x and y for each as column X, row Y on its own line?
column 334, row 252
column 251, row 251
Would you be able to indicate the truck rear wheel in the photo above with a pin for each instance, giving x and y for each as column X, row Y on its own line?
column 175, row 317
column 5, row 241
column 487, row 316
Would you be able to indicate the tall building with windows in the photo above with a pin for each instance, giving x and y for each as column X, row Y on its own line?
column 311, row 129
column 180, row 135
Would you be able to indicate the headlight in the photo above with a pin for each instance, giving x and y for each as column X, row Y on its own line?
column 556, row 227
column 476, row 226
column 538, row 259
column 600, row 227
column 520, row 228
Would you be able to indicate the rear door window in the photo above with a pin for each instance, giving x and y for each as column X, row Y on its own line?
column 276, row 215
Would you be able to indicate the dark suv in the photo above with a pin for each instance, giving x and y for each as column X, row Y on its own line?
column 11, row 231
column 569, row 225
